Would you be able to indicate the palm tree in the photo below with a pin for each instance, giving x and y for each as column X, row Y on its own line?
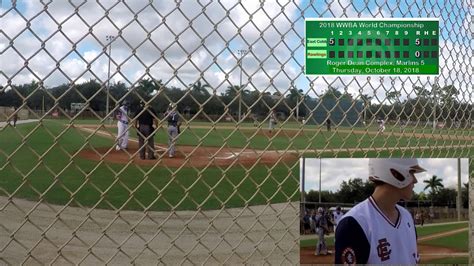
column 297, row 97
column 233, row 91
column 448, row 94
column 393, row 96
column 435, row 184
column 237, row 91
column 421, row 92
column 366, row 99
column 147, row 86
column 200, row 88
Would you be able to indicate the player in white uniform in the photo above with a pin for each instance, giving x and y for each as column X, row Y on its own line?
column 377, row 230
column 122, row 126
column 381, row 125
column 272, row 121
column 173, row 129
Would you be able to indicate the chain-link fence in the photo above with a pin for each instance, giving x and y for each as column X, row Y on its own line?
column 234, row 73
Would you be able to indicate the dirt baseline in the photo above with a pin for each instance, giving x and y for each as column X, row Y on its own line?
column 187, row 156
column 190, row 156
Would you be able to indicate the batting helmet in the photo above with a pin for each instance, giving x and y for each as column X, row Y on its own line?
column 397, row 172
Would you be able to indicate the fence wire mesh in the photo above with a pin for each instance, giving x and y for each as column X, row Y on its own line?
column 234, row 72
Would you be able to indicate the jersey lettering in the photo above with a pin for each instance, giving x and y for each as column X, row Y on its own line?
column 383, row 250
column 387, row 243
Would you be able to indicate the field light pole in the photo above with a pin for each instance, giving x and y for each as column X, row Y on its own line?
column 303, row 177
column 434, row 107
column 109, row 39
column 458, row 198
column 242, row 53
column 320, row 159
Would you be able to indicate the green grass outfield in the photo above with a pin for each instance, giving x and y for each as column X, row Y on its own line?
column 42, row 151
column 451, row 261
column 227, row 134
column 459, row 241
column 46, row 153
column 322, row 127
column 429, row 229
column 421, row 231
column 310, row 127
column 313, row 241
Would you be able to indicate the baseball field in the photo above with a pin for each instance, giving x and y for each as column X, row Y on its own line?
column 222, row 165
column 439, row 243
column 53, row 167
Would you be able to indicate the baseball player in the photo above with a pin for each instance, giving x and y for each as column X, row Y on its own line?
column 377, row 230
column 328, row 124
column 337, row 214
column 321, row 229
column 173, row 119
column 381, row 125
column 122, row 126
column 272, row 121
column 145, row 118
column 15, row 116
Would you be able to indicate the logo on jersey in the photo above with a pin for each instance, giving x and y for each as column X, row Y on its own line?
column 383, row 250
column 416, row 256
column 348, row 256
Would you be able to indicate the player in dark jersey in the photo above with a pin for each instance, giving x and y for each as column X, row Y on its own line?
column 145, row 119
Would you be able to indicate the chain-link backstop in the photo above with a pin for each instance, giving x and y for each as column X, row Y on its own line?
column 234, row 71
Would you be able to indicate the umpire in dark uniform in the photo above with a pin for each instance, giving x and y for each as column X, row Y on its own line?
column 145, row 117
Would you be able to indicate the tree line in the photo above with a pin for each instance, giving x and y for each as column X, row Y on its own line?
column 203, row 100
column 356, row 190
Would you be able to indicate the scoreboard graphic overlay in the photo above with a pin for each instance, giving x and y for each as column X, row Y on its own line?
column 372, row 46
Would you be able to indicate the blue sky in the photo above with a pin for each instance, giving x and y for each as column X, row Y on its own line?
column 268, row 67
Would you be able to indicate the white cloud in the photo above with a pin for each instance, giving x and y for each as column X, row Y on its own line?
column 336, row 170
column 198, row 38
column 188, row 24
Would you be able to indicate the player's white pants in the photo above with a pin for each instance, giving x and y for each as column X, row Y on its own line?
column 172, row 136
column 321, row 247
column 122, row 135
column 271, row 124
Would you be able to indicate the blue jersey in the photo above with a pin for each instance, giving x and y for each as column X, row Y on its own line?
column 172, row 118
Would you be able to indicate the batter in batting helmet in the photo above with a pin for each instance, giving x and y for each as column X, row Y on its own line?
column 397, row 172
